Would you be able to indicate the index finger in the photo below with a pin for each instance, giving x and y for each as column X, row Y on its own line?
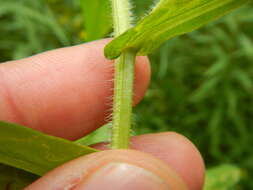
column 65, row 92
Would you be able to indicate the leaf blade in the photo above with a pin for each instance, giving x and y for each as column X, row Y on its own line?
column 97, row 18
column 35, row 152
column 169, row 19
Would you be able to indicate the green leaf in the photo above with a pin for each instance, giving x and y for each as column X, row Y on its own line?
column 35, row 152
column 97, row 18
column 223, row 177
column 14, row 179
column 168, row 19
column 102, row 134
column 205, row 90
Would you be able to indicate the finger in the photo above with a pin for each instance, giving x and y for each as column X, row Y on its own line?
column 175, row 150
column 65, row 92
column 112, row 170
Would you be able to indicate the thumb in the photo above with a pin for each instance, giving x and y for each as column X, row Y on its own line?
column 112, row 170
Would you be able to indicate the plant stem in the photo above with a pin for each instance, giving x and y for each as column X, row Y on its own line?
column 123, row 80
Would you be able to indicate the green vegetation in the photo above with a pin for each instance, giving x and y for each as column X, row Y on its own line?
column 202, row 87
column 202, row 82
column 223, row 177
column 169, row 19
column 36, row 152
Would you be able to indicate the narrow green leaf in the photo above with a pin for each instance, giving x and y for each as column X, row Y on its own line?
column 205, row 90
column 14, row 179
column 168, row 19
column 35, row 152
column 244, row 79
column 102, row 134
column 223, row 177
column 97, row 18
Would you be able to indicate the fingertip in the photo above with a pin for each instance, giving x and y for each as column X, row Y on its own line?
column 142, row 77
column 178, row 152
column 65, row 92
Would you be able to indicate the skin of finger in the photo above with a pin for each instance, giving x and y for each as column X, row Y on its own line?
column 76, row 172
column 65, row 92
column 176, row 151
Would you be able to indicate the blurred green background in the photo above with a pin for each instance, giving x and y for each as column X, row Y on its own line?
column 202, row 82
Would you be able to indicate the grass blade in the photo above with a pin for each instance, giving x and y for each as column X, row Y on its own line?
column 35, row 152
column 168, row 19
column 97, row 18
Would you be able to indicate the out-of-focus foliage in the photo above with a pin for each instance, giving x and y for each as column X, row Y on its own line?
column 99, row 9
column 223, row 177
column 14, row 179
column 202, row 83
column 28, row 27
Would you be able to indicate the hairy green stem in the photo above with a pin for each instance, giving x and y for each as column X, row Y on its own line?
column 123, row 80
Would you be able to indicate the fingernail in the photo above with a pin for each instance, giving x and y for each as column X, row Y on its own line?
column 123, row 176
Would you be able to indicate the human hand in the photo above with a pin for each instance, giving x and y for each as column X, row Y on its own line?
column 65, row 93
